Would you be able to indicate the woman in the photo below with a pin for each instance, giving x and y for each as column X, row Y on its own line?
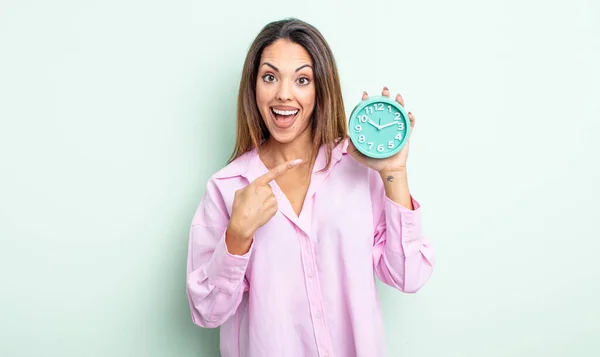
column 287, row 239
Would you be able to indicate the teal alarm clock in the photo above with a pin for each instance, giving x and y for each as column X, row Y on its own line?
column 379, row 127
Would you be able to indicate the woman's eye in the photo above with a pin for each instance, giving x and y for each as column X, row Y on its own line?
column 303, row 81
column 268, row 77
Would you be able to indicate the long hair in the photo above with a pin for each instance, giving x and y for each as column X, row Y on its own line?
column 328, row 122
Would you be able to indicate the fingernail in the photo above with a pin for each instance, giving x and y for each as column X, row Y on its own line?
column 296, row 162
column 385, row 88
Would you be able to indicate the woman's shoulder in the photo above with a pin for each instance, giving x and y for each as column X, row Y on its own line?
column 343, row 166
column 235, row 168
column 222, row 184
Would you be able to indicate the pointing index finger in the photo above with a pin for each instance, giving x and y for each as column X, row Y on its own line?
column 278, row 170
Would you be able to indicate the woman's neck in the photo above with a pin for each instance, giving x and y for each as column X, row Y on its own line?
column 274, row 153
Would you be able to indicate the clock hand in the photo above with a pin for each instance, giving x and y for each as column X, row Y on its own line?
column 386, row 125
column 375, row 125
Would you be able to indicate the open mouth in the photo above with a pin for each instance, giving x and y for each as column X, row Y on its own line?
column 284, row 118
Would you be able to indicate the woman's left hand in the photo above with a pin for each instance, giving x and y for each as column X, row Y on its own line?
column 390, row 164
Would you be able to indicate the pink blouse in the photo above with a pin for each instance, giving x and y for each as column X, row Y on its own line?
column 307, row 286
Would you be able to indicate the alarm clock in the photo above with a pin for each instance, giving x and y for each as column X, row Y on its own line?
column 379, row 127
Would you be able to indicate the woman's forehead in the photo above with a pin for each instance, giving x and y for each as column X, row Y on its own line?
column 286, row 55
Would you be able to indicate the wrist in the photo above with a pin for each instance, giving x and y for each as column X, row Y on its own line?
column 236, row 231
column 237, row 243
column 394, row 172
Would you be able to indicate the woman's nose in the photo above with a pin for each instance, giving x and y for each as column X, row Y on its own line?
column 284, row 93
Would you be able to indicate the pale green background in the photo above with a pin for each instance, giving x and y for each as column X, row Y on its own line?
column 114, row 114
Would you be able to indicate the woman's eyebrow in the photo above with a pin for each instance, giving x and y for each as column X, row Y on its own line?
column 277, row 69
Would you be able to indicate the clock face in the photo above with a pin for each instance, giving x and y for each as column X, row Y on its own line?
column 379, row 127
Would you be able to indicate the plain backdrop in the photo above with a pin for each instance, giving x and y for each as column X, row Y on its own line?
column 113, row 114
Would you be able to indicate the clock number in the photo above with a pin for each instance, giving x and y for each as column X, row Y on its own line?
column 363, row 118
column 380, row 148
column 390, row 108
column 378, row 106
column 367, row 109
column 398, row 136
column 400, row 126
column 396, row 116
column 370, row 145
column 391, row 144
column 362, row 139
column 358, row 128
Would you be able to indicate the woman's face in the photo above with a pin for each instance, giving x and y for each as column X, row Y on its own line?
column 285, row 90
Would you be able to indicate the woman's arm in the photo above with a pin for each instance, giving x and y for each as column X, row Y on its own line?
column 215, row 276
column 395, row 184
column 402, row 256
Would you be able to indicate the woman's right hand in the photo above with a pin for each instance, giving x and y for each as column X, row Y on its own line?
column 253, row 206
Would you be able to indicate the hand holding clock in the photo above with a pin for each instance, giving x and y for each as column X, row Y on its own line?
column 383, row 150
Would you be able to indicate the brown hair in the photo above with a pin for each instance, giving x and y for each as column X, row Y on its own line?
column 328, row 122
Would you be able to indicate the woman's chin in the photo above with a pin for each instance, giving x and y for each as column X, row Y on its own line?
column 283, row 138
column 286, row 136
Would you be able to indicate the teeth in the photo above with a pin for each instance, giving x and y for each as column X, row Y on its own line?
column 285, row 112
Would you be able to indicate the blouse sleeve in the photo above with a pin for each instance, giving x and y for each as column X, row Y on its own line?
column 403, row 258
column 215, row 278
